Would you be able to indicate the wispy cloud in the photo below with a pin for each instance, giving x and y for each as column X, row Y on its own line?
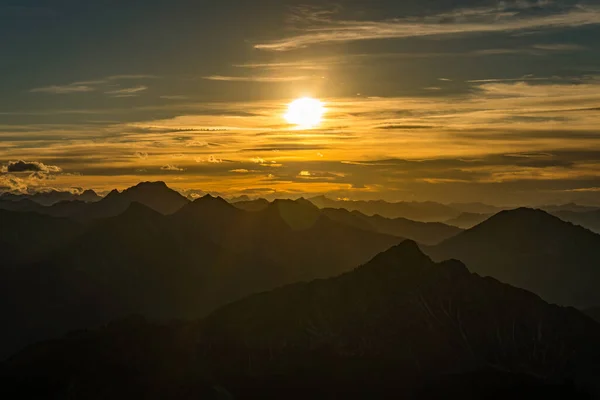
column 131, row 91
column 95, row 85
column 535, row 50
column 260, row 79
column 306, row 65
column 130, row 77
column 320, row 28
column 172, row 168
column 65, row 89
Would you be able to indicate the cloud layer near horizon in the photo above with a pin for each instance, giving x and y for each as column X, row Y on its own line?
column 495, row 103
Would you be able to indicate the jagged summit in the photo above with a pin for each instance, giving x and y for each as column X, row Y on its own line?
column 209, row 202
column 208, row 198
column 403, row 260
column 158, row 186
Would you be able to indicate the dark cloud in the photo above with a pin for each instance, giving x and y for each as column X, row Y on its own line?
column 29, row 166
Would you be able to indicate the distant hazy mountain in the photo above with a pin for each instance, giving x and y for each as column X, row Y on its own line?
column 476, row 208
column 533, row 250
column 422, row 232
column 181, row 265
column 426, row 211
column 291, row 233
column 573, row 207
column 155, row 195
column 51, row 197
column 252, row 205
column 400, row 325
column 587, row 219
column 468, row 220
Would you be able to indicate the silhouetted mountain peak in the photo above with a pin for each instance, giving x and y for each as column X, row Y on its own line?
column 210, row 198
column 112, row 193
column 405, row 259
column 152, row 187
column 211, row 201
column 297, row 214
column 209, row 205
column 407, row 250
column 523, row 217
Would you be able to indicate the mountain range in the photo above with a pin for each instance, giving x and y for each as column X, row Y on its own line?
column 155, row 195
column 150, row 251
column 418, row 211
column 422, row 232
column 164, row 266
column 51, row 197
column 399, row 326
column 533, row 250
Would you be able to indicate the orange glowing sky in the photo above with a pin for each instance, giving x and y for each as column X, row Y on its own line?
column 412, row 108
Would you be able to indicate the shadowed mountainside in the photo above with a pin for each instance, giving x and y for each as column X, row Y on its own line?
column 533, row 250
column 399, row 325
column 27, row 237
column 181, row 265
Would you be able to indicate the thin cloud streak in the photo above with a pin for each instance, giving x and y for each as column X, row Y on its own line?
column 260, row 79
column 324, row 29
column 66, row 89
column 128, row 91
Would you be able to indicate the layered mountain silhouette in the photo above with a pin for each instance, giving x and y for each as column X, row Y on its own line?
column 399, row 326
column 51, row 197
column 572, row 207
column 179, row 265
column 422, row 232
column 533, row 250
column 468, row 220
column 156, row 195
column 587, row 219
column 417, row 211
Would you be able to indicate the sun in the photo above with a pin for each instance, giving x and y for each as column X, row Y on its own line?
column 305, row 113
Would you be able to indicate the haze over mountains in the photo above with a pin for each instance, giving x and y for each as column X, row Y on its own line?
column 164, row 266
column 399, row 324
column 534, row 250
column 152, row 252
column 52, row 197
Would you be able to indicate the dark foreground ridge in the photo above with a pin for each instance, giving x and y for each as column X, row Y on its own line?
column 400, row 326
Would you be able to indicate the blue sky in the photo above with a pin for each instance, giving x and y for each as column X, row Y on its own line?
column 492, row 101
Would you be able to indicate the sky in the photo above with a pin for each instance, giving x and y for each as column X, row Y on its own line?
column 445, row 100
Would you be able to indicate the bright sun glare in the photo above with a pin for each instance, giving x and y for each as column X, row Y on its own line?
column 306, row 112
